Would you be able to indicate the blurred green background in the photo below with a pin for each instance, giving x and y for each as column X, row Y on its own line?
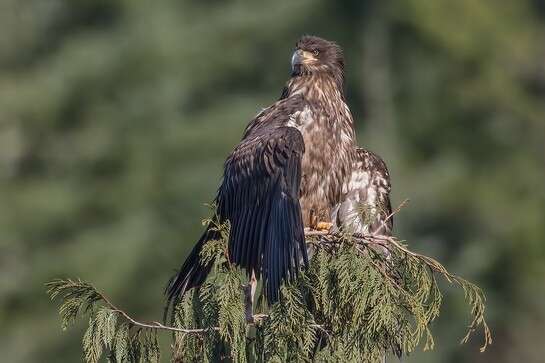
column 116, row 117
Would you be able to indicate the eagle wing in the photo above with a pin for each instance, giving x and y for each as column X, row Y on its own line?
column 366, row 206
column 259, row 196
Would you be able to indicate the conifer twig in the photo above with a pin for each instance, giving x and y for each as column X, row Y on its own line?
column 154, row 324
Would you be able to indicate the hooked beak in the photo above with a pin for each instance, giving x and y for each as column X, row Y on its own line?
column 301, row 57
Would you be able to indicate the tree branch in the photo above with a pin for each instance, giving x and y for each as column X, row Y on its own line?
column 154, row 324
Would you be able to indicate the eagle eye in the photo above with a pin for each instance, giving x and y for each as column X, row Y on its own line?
column 315, row 52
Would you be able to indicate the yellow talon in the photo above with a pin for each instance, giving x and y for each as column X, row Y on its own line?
column 324, row 226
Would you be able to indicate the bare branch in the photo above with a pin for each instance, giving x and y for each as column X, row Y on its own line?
column 394, row 212
column 154, row 324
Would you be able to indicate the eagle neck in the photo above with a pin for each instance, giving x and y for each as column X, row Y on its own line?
column 320, row 87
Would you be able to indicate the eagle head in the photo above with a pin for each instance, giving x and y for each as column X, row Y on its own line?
column 316, row 55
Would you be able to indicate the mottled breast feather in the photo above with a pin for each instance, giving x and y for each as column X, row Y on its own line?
column 366, row 206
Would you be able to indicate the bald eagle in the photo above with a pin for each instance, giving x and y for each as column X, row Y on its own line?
column 365, row 207
column 287, row 173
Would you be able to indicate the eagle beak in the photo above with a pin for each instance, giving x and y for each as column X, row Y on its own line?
column 301, row 57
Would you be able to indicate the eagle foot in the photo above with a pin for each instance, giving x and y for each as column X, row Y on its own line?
column 324, row 226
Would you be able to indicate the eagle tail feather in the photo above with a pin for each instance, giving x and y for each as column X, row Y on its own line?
column 192, row 273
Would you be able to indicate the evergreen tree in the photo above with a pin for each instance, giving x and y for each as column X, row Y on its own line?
column 363, row 296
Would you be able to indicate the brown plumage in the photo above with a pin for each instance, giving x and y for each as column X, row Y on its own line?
column 288, row 169
column 366, row 206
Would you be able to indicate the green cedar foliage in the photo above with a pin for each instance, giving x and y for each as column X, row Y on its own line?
column 362, row 297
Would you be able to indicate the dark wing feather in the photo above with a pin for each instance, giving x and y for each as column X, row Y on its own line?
column 259, row 196
column 264, row 174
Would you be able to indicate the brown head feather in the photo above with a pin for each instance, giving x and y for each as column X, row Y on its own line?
column 326, row 58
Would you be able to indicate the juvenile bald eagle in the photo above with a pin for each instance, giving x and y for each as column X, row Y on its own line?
column 366, row 206
column 286, row 174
